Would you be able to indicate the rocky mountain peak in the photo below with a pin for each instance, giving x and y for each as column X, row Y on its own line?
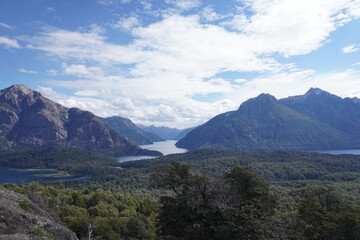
column 355, row 100
column 19, row 90
column 315, row 91
column 29, row 119
column 19, row 96
column 264, row 100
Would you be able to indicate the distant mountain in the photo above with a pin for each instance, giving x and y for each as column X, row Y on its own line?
column 163, row 132
column 317, row 120
column 183, row 133
column 342, row 114
column 130, row 130
column 27, row 119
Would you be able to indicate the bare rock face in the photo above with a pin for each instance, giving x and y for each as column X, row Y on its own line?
column 29, row 119
column 19, row 217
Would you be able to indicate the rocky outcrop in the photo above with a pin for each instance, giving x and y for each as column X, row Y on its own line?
column 31, row 120
column 21, row 219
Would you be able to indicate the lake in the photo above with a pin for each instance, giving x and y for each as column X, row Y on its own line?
column 337, row 152
column 165, row 147
column 20, row 176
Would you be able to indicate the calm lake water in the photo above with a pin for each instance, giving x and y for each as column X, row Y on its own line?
column 20, row 176
column 165, row 147
column 337, row 152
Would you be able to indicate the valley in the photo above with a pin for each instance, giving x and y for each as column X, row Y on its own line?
column 97, row 171
column 179, row 120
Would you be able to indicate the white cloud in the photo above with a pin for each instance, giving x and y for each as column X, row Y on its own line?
column 170, row 61
column 9, row 43
column 4, row 25
column 23, row 70
column 238, row 22
column 52, row 72
column 86, row 93
column 350, row 49
column 97, row 106
column 146, row 4
column 184, row 4
column 354, row 10
column 85, row 46
column 127, row 23
column 82, row 71
column 208, row 14
column 112, row 2
column 344, row 84
column 50, row 9
column 240, row 80
column 293, row 27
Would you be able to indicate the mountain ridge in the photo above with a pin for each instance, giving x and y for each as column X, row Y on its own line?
column 27, row 119
column 126, row 127
column 293, row 123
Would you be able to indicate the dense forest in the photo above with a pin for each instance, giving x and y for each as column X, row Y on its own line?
column 204, row 194
column 239, row 206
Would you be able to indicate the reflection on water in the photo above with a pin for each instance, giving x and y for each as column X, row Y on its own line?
column 337, row 152
column 20, row 176
column 165, row 147
column 132, row 158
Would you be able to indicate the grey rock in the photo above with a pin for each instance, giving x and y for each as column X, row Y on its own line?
column 17, row 221
column 29, row 119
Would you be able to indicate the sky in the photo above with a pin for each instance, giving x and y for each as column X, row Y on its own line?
column 178, row 63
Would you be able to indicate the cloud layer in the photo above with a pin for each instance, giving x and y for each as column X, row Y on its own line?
column 157, row 77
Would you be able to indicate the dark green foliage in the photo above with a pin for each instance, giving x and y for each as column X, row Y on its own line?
column 40, row 233
column 127, row 151
column 68, row 159
column 241, row 206
column 24, row 204
column 325, row 215
column 112, row 215
column 207, row 209
column 199, row 201
column 275, row 165
column 73, row 161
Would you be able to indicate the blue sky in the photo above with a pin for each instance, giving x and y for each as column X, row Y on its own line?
column 178, row 63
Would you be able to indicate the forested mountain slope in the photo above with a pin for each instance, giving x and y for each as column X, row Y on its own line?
column 315, row 121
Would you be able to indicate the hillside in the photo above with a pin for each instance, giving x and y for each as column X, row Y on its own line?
column 289, row 172
column 130, row 130
column 183, row 133
column 163, row 132
column 27, row 119
column 315, row 121
column 23, row 219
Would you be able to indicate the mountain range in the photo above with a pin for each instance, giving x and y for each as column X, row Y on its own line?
column 166, row 133
column 316, row 120
column 131, row 131
column 27, row 119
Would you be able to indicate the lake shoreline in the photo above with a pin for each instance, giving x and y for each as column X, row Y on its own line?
column 165, row 147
